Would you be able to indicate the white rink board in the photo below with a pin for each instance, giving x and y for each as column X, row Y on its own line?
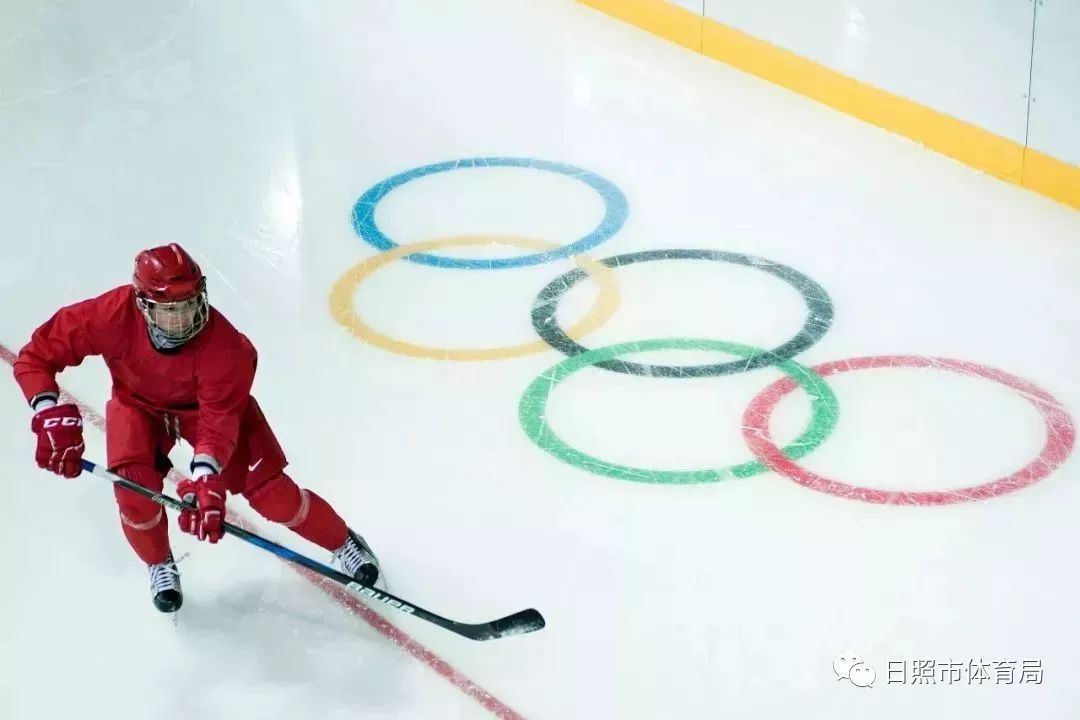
column 1055, row 81
column 697, row 6
column 967, row 58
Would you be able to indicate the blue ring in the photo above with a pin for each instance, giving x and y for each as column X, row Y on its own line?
column 616, row 210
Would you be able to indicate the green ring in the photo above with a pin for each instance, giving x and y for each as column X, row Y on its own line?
column 531, row 412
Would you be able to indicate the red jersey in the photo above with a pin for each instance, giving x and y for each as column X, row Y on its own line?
column 211, row 375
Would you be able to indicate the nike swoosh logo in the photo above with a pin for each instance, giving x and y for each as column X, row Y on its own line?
column 257, row 463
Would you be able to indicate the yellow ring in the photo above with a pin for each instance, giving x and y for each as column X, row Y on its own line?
column 342, row 306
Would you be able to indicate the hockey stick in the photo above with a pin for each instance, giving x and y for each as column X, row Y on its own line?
column 525, row 621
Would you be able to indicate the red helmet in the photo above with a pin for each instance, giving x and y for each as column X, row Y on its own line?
column 170, row 290
column 167, row 274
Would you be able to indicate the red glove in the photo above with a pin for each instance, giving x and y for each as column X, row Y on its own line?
column 208, row 495
column 59, row 439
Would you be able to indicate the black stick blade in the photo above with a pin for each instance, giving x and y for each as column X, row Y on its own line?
column 519, row 623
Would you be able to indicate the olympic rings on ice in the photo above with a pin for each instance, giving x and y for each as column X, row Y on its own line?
column 533, row 405
column 1060, row 434
column 819, row 315
column 342, row 300
column 616, row 210
column 1059, row 427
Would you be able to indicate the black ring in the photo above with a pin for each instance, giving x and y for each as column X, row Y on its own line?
column 818, row 304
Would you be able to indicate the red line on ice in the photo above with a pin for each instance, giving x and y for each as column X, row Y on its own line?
column 395, row 634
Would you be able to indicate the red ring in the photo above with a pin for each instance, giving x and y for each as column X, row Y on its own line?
column 1060, row 434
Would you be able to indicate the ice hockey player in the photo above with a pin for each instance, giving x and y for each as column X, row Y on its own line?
column 179, row 370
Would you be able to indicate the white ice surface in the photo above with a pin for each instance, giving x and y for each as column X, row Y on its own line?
column 247, row 130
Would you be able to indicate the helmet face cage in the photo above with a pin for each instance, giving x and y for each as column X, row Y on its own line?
column 176, row 322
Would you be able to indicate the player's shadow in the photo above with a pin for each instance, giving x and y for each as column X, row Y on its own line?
column 283, row 639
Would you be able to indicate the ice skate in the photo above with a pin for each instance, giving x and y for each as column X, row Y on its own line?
column 165, row 585
column 357, row 560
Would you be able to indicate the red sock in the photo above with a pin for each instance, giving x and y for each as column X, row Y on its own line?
column 144, row 522
column 302, row 511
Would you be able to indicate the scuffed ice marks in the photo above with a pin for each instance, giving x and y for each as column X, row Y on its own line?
column 73, row 56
